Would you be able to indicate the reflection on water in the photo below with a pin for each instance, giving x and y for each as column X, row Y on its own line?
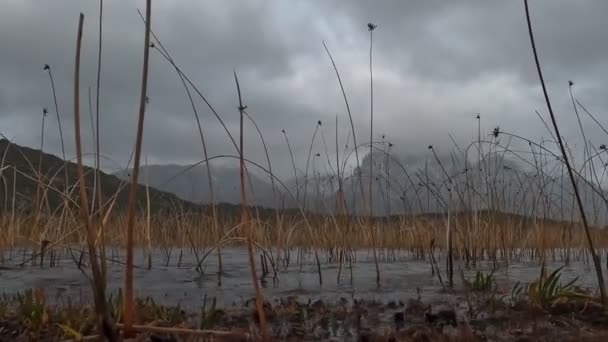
column 170, row 284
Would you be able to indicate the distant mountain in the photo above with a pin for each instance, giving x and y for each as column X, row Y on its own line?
column 400, row 185
column 19, row 167
column 497, row 181
column 191, row 183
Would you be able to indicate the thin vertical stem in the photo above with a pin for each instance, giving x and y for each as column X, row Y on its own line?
column 274, row 193
column 596, row 261
column 128, row 304
column 450, row 261
column 352, row 126
column 293, row 164
column 259, row 300
column 314, row 135
column 98, row 140
column 48, row 68
column 371, row 28
column 105, row 324
column 39, row 192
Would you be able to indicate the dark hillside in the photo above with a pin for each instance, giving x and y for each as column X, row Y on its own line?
column 24, row 163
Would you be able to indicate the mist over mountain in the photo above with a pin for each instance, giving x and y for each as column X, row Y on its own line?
column 191, row 183
column 400, row 185
column 28, row 173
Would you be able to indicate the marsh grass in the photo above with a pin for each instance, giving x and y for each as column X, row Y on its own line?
column 500, row 237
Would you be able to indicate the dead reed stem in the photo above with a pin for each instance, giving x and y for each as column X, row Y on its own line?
column 214, row 217
column 371, row 27
column 40, row 183
column 128, row 302
column 190, row 332
column 596, row 261
column 48, row 68
column 98, row 139
column 278, row 221
column 352, row 124
column 259, row 300
column 104, row 320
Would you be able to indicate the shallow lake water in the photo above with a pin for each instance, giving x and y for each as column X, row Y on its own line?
column 171, row 285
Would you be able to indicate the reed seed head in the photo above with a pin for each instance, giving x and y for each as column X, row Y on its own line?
column 496, row 132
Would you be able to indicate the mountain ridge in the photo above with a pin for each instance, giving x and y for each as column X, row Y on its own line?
column 20, row 165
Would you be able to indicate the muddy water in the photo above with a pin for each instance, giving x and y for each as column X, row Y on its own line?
column 181, row 284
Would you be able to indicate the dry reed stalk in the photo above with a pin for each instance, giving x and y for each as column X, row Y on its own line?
column 148, row 238
column 212, row 203
column 293, row 164
column 98, row 140
column 12, row 219
column 259, row 300
column 104, row 321
column 450, row 261
column 352, row 124
column 39, row 183
column 274, row 195
column 128, row 291
column 312, row 141
column 596, row 261
column 48, row 68
column 190, row 332
column 165, row 54
column 371, row 27
column 185, row 82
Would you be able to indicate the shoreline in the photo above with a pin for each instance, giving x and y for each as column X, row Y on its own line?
column 465, row 316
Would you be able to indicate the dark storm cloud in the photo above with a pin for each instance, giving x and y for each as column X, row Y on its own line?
column 436, row 64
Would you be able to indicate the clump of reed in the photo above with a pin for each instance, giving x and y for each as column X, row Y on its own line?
column 503, row 237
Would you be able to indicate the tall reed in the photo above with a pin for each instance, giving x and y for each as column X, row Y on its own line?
column 128, row 286
column 105, row 323
column 596, row 261
column 98, row 184
column 259, row 300
column 371, row 27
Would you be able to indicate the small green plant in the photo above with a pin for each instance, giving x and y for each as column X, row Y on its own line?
column 69, row 331
column 482, row 282
column 548, row 290
column 4, row 306
column 517, row 293
column 32, row 309
column 209, row 316
column 115, row 305
column 149, row 310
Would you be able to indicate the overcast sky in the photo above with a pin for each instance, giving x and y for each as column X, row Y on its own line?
column 436, row 65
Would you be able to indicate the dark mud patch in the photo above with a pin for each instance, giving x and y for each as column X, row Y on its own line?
column 475, row 317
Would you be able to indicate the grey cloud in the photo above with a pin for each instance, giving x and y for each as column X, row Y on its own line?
column 436, row 65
